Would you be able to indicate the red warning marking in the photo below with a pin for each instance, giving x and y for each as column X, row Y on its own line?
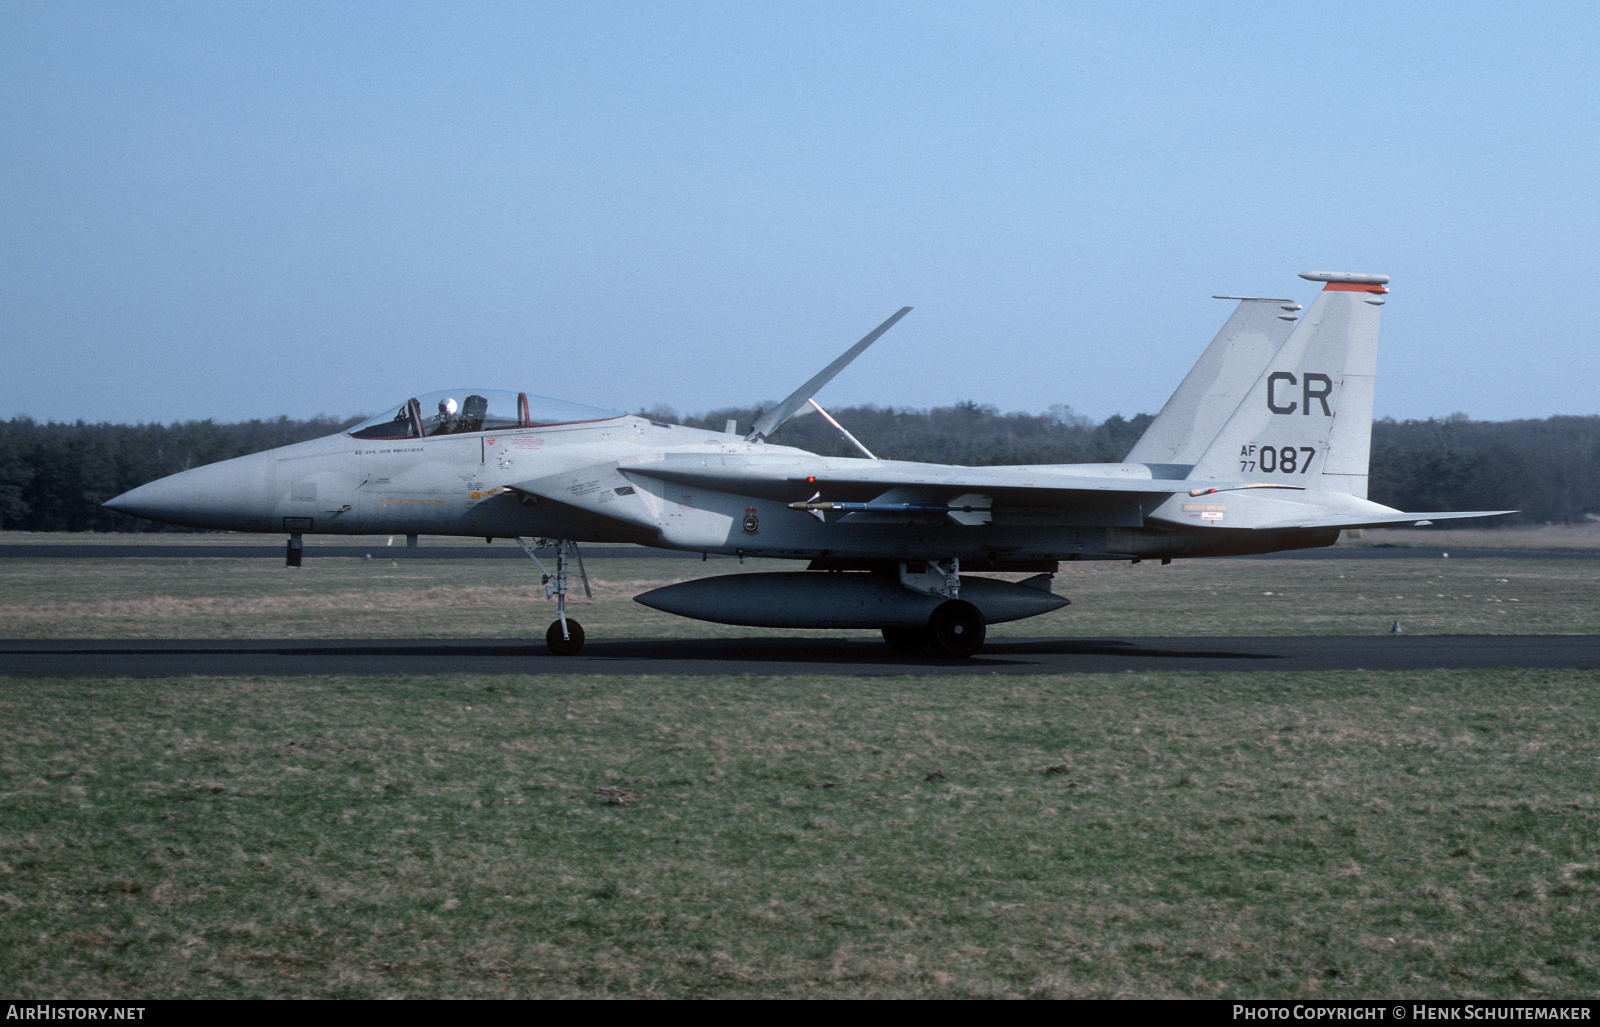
column 1352, row 287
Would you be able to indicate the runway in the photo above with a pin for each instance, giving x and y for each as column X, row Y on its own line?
column 795, row 655
column 320, row 550
column 313, row 551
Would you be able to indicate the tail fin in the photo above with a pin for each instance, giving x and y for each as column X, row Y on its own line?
column 1307, row 420
column 1212, row 389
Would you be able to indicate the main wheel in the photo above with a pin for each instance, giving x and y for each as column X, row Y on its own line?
column 568, row 646
column 956, row 628
column 906, row 640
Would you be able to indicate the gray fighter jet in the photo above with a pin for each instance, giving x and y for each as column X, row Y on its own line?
column 1262, row 448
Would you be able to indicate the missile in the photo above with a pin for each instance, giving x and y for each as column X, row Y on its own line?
column 823, row 599
column 970, row 508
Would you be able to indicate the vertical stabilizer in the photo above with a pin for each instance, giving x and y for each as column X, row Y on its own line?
column 1214, row 387
column 1307, row 419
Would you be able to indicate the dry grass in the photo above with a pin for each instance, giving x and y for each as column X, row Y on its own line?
column 343, row 598
column 1548, row 536
column 1338, row 835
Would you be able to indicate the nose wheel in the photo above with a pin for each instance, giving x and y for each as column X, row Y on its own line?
column 564, row 637
column 566, row 644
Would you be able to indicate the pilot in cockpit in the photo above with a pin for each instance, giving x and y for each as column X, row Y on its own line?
column 447, row 417
column 473, row 411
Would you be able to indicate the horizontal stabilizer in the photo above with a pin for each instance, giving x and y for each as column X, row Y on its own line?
column 1398, row 520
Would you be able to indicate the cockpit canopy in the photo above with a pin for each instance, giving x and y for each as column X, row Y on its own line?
column 459, row 411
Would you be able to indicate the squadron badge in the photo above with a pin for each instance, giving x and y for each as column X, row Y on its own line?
column 752, row 523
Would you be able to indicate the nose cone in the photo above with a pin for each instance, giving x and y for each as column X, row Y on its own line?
column 231, row 495
column 145, row 501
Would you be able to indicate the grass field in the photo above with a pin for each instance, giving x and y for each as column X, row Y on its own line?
column 380, row 598
column 1339, row 835
column 408, row 599
column 1288, row 835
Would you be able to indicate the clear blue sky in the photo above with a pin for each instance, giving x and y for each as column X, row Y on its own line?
column 233, row 211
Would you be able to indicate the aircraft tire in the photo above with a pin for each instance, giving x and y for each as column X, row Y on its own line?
column 568, row 646
column 906, row 640
column 956, row 628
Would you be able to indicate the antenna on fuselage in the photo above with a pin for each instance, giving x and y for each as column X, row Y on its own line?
column 769, row 421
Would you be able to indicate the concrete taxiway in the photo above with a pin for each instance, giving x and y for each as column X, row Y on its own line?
column 787, row 655
column 97, row 551
column 135, row 550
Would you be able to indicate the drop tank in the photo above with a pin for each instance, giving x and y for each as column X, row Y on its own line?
column 823, row 599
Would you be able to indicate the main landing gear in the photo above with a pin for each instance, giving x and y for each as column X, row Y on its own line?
column 955, row 628
column 565, row 635
column 906, row 640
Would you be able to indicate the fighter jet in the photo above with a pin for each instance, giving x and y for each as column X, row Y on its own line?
column 1262, row 448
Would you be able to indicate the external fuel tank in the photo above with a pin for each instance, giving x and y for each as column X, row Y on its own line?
column 848, row 599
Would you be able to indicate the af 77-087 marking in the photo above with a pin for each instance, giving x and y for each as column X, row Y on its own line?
column 1262, row 448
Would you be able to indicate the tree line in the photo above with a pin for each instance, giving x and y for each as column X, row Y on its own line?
column 54, row 476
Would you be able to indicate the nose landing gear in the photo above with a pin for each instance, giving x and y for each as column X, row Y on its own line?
column 565, row 635
column 568, row 644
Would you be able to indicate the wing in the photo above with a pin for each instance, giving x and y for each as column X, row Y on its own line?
column 1090, row 494
column 1111, row 494
column 792, row 477
column 629, row 491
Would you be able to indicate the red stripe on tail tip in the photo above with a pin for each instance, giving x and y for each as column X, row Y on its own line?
column 1352, row 287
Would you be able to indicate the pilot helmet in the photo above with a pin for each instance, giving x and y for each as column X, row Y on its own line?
column 447, row 407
